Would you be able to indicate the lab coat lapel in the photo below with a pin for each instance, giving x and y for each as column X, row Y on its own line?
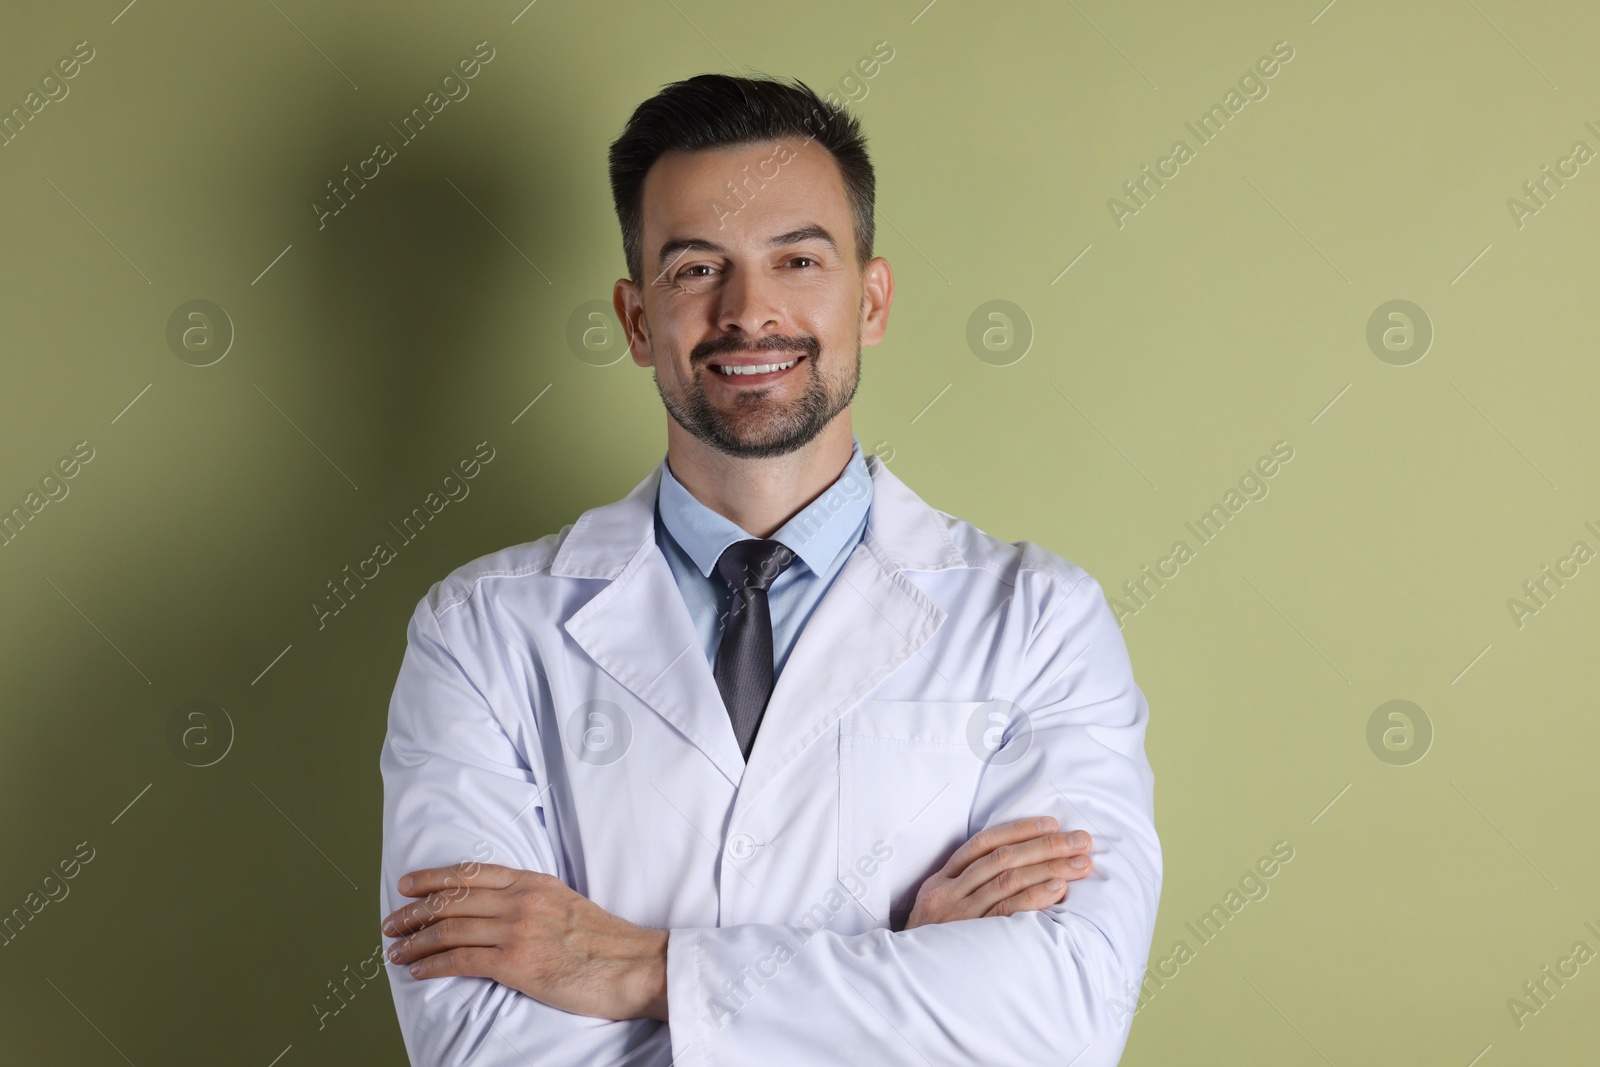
column 871, row 620
column 638, row 629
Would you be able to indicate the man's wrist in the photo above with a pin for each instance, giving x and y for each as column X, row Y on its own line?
column 650, row 974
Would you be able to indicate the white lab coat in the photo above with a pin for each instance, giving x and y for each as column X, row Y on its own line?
column 555, row 712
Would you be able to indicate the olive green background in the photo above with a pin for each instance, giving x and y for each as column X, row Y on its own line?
column 1228, row 314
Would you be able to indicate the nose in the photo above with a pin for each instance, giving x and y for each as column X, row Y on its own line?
column 748, row 303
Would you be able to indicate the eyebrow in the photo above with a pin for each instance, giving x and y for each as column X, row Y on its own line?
column 676, row 246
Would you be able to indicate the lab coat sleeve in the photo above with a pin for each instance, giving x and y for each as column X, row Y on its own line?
column 1041, row 987
column 457, row 789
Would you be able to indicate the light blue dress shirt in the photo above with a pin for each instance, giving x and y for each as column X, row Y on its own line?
column 822, row 535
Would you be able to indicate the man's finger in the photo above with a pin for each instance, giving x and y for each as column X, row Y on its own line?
column 455, row 877
column 986, row 841
column 1016, row 881
column 1021, row 854
column 434, row 907
column 473, row 962
column 1034, row 898
column 447, row 934
column 442, row 889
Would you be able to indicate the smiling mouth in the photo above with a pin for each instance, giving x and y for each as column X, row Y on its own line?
column 734, row 371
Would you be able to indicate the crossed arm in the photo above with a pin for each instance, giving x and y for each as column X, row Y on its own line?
column 517, row 968
column 531, row 932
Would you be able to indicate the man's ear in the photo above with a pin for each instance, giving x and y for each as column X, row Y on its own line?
column 627, row 301
column 877, row 293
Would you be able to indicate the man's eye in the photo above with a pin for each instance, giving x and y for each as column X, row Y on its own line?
column 697, row 266
column 807, row 259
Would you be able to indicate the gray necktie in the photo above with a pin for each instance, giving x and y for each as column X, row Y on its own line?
column 744, row 658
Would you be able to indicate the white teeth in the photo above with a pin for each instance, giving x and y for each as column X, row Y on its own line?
column 761, row 368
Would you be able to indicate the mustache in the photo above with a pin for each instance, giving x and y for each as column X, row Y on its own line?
column 717, row 346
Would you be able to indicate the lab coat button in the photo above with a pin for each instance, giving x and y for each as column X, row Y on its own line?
column 741, row 847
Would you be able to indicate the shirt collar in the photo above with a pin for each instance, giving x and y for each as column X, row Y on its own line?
column 816, row 534
column 904, row 533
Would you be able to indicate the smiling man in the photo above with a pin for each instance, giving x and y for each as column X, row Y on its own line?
column 769, row 761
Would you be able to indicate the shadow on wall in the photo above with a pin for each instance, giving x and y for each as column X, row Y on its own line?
column 408, row 370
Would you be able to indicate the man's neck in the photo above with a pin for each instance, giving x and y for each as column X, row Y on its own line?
column 759, row 495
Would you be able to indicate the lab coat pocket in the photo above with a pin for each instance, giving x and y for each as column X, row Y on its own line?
column 908, row 772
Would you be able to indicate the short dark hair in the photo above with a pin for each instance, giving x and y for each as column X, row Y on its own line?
column 717, row 111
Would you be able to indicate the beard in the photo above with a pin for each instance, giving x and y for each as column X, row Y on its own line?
column 760, row 427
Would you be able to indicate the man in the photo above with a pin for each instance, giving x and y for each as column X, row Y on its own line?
column 769, row 762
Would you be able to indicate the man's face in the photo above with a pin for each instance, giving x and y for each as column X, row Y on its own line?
column 767, row 278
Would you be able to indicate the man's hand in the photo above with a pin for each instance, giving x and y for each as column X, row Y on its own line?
column 1018, row 866
column 530, row 932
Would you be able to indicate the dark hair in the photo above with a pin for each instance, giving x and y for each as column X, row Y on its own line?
column 716, row 111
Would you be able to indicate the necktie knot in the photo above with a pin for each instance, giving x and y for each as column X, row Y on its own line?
column 753, row 564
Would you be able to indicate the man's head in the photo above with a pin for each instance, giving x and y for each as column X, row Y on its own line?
column 746, row 209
